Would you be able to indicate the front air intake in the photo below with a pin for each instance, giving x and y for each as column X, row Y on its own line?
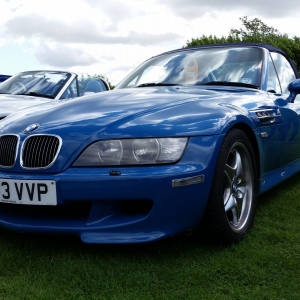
column 40, row 151
column 8, row 150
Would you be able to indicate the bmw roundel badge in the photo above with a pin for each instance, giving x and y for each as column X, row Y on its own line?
column 31, row 128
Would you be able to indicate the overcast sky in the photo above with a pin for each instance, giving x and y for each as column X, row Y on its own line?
column 112, row 37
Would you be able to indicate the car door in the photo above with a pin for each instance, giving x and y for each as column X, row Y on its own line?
column 290, row 112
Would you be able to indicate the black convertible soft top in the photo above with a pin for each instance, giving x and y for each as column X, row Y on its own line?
column 267, row 46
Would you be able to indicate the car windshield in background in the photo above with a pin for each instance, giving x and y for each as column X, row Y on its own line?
column 45, row 84
column 219, row 66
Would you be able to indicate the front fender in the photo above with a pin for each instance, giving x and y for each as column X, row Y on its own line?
column 197, row 118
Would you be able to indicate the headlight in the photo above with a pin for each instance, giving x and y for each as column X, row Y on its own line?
column 146, row 150
column 110, row 151
column 132, row 152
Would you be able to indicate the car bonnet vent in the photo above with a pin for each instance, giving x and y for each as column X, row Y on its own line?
column 8, row 150
column 40, row 151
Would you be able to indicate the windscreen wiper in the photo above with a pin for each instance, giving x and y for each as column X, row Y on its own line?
column 229, row 83
column 38, row 95
column 157, row 84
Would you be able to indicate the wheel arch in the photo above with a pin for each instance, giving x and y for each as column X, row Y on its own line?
column 215, row 223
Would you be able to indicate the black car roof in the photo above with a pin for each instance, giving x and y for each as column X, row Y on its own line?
column 267, row 46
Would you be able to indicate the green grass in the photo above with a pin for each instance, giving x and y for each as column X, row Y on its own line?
column 266, row 265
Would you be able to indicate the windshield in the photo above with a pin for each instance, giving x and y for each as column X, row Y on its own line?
column 241, row 65
column 35, row 83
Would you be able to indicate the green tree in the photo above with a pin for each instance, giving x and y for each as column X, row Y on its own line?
column 255, row 31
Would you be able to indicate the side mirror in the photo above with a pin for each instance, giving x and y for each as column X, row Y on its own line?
column 294, row 89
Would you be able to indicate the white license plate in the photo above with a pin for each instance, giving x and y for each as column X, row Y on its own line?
column 32, row 192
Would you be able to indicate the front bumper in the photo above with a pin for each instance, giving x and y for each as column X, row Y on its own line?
column 140, row 205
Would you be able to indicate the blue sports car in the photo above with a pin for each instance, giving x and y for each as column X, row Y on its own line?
column 190, row 137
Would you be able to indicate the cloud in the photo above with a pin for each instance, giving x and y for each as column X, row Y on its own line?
column 125, row 69
column 122, row 10
column 113, row 37
column 63, row 56
column 115, row 11
column 80, row 32
column 193, row 9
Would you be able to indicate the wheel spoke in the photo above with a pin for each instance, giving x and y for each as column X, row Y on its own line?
column 241, row 197
column 230, row 171
column 235, row 218
column 231, row 203
column 227, row 187
column 238, row 165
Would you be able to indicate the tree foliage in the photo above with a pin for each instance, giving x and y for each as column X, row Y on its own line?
column 255, row 31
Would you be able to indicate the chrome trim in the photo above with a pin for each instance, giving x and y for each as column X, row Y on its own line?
column 262, row 110
column 16, row 150
column 266, row 116
column 264, row 134
column 187, row 181
column 54, row 159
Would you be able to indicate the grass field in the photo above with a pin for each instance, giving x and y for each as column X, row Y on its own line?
column 266, row 265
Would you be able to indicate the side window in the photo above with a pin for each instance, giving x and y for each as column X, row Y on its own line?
column 284, row 70
column 273, row 85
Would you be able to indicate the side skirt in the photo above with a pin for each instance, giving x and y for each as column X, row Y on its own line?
column 277, row 176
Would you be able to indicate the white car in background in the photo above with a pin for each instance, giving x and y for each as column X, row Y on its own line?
column 36, row 87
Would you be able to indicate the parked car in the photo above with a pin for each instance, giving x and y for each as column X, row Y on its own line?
column 37, row 87
column 191, row 135
column 4, row 77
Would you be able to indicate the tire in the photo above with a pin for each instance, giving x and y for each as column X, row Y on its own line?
column 232, row 203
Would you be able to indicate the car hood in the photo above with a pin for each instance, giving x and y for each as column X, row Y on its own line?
column 126, row 113
column 12, row 103
column 110, row 113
